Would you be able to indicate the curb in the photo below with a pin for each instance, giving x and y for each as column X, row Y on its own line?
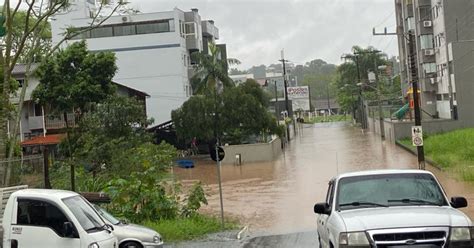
column 410, row 150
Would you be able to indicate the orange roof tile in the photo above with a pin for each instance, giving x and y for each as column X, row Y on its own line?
column 52, row 139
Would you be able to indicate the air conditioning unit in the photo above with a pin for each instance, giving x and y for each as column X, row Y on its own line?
column 427, row 24
column 429, row 52
column 125, row 19
column 433, row 81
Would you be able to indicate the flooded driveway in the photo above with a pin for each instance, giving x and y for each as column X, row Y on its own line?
column 278, row 197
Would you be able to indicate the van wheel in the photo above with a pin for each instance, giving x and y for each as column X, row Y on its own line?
column 131, row 244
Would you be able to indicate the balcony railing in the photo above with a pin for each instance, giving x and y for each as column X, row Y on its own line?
column 35, row 122
column 57, row 122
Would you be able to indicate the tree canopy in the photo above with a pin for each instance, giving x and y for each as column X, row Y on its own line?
column 211, row 70
column 242, row 112
column 74, row 78
column 357, row 65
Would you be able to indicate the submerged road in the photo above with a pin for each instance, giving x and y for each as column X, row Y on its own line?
column 277, row 197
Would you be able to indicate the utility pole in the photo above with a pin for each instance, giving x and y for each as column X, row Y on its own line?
column 361, row 99
column 329, row 102
column 277, row 113
column 355, row 58
column 416, row 101
column 286, row 91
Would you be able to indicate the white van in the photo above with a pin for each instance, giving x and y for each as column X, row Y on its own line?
column 41, row 218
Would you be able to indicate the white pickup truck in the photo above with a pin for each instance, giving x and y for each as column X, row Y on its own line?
column 41, row 218
column 391, row 209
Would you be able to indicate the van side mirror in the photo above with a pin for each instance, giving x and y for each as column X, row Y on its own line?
column 68, row 230
column 321, row 208
column 458, row 202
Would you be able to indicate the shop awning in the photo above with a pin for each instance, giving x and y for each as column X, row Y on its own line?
column 52, row 139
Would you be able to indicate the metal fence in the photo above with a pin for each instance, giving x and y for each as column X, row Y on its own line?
column 26, row 170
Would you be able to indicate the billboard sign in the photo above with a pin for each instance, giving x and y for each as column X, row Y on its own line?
column 299, row 95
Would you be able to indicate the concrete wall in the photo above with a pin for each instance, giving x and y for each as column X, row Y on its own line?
column 399, row 130
column 463, row 69
column 253, row 152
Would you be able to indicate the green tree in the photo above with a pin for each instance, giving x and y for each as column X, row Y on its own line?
column 251, row 87
column 195, row 118
column 72, row 80
column 357, row 65
column 27, row 40
column 211, row 70
column 107, row 132
column 242, row 113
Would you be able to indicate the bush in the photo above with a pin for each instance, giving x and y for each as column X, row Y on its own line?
column 193, row 227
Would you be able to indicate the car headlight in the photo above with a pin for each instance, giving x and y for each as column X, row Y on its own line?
column 157, row 239
column 94, row 245
column 461, row 234
column 353, row 239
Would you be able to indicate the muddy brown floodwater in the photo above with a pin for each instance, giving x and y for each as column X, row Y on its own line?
column 278, row 196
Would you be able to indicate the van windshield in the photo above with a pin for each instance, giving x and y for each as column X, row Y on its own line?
column 85, row 214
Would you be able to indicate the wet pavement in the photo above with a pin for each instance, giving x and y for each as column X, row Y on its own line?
column 278, row 197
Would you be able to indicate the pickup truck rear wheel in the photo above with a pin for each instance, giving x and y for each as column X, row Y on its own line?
column 131, row 244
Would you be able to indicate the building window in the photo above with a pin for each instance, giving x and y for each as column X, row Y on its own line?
column 101, row 32
column 429, row 67
column 426, row 41
column 123, row 30
column 425, row 13
column 439, row 97
column 445, row 97
column 21, row 82
column 190, row 28
column 410, row 23
column 150, row 28
column 38, row 110
column 160, row 26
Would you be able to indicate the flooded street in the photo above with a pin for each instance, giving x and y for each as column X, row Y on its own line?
column 278, row 197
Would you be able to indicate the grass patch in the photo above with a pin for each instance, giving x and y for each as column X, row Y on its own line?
column 329, row 118
column 452, row 150
column 195, row 227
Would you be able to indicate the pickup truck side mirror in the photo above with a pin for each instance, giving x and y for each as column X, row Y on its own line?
column 321, row 208
column 68, row 230
column 458, row 202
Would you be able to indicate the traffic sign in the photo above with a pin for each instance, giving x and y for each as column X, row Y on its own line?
column 220, row 151
column 417, row 135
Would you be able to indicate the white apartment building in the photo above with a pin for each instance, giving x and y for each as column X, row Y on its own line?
column 444, row 35
column 153, row 50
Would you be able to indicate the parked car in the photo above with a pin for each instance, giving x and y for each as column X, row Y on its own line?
column 131, row 235
column 45, row 218
column 396, row 208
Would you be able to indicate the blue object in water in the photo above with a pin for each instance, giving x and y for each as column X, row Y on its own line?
column 184, row 163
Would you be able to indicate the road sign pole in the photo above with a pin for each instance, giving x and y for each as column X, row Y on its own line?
column 220, row 183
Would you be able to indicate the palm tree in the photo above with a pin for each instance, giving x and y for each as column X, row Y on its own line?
column 211, row 70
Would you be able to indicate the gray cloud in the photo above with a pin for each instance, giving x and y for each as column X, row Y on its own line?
column 255, row 31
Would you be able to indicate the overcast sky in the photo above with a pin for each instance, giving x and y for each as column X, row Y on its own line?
column 255, row 31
